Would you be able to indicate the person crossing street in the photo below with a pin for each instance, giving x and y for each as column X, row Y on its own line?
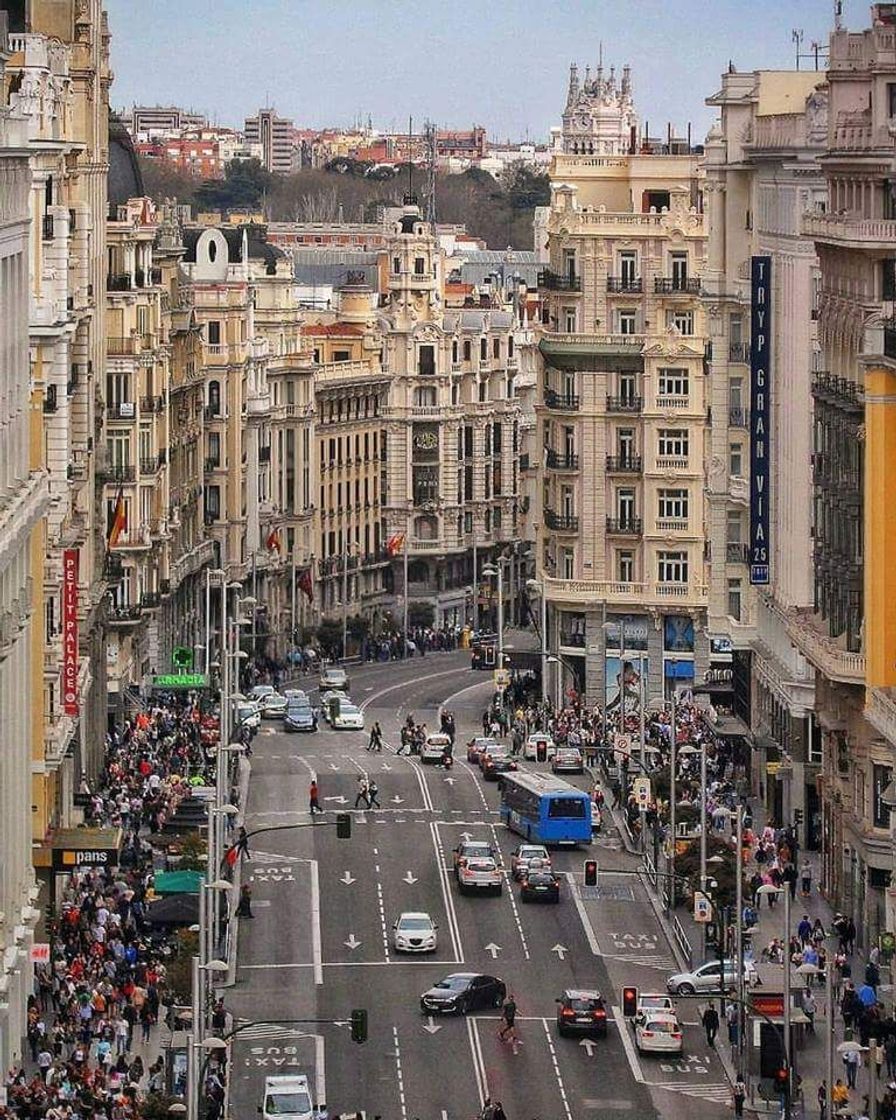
column 372, row 790
column 363, row 793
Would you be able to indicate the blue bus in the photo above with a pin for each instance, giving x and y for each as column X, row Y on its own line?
column 545, row 809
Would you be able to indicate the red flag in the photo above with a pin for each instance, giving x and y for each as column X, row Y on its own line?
column 230, row 856
column 273, row 541
column 395, row 544
column 304, row 583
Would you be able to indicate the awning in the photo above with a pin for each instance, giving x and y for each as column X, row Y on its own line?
column 175, row 910
column 177, row 882
column 66, row 849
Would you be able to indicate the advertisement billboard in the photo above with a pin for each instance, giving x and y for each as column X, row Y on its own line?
column 623, row 686
column 70, row 560
column 760, row 416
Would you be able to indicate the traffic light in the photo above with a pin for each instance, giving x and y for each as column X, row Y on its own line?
column 359, row 1026
column 797, row 816
column 629, row 1002
column 782, row 1082
column 590, row 872
column 344, row 826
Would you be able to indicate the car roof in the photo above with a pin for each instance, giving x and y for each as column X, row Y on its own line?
column 414, row 914
column 582, row 993
column 438, row 737
column 482, row 843
column 653, row 995
column 285, row 1080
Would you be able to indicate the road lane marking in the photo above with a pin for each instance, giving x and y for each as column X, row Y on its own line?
column 404, row 1109
column 415, row 681
column 382, row 909
column 628, row 1046
column 315, row 923
column 583, row 915
column 509, row 892
column 447, row 897
column 469, row 769
column 392, row 962
column 556, row 1064
column 478, row 1063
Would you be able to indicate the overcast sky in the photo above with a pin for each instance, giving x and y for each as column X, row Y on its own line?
column 491, row 62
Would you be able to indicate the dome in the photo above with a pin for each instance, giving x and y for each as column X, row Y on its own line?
column 124, row 179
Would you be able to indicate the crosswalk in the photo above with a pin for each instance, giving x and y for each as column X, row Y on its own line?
column 662, row 961
column 271, row 1032
column 716, row 1091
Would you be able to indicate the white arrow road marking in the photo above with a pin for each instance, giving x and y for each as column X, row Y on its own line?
column 352, row 942
column 588, row 1043
column 398, row 800
column 450, row 781
column 333, row 766
column 430, row 1027
column 339, row 800
column 560, row 950
column 385, row 766
column 465, row 836
column 409, row 879
column 348, row 879
column 493, row 949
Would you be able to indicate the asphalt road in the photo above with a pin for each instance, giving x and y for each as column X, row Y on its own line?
column 319, row 944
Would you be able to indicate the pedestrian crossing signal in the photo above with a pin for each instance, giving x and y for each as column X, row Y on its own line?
column 344, row 826
column 590, row 872
column 629, row 1002
column 359, row 1026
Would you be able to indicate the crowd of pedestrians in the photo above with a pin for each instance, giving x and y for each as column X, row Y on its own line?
column 101, row 995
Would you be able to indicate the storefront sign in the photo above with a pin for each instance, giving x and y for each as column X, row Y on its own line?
column 67, row 859
column 767, row 1003
column 760, row 416
column 180, row 680
column 70, row 557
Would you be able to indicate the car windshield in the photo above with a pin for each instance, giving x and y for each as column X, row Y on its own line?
column 288, row 1104
column 654, row 1001
column 579, row 1004
column 455, row 983
column 415, row 923
column 661, row 1026
column 481, row 865
column 540, row 877
column 349, row 710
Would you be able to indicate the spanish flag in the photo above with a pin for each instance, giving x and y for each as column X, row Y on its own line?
column 273, row 541
column 119, row 519
column 395, row 544
column 305, row 584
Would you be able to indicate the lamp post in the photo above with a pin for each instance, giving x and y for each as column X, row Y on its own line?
column 536, row 588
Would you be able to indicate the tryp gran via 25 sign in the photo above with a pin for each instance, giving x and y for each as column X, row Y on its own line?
column 760, row 416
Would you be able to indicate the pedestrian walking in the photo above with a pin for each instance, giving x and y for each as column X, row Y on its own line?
column 710, row 1022
column 822, row 1098
column 739, row 1093
column 851, row 1062
column 242, row 843
column 839, row 1095
column 804, row 929
column 363, row 793
column 499, row 1113
column 313, row 798
column 508, row 1018
column 372, row 790
column 809, row 1009
column 244, row 907
column 806, row 877
column 375, row 742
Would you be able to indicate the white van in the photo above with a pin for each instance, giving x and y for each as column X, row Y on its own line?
column 287, row 1097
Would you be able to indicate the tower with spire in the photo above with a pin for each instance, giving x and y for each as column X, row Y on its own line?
column 600, row 113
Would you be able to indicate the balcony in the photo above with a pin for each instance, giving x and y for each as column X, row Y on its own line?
column 625, row 526
column 213, row 412
column 671, row 403
column 121, row 410
column 121, row 347
column 838, row 391
column 589, row 592
column 554, row 461
column 739, row 352
column 119, row 473
column 557, row 282
column 633, row 285
column 124, row 616
column 624, row 404
column 880, row 711
column 809, row 634
column 672, row 525
column 561, row 523
column 737, row 553
column 119, row 282
column 568, row 402
column 624, row 464
column 738, row 417
column 152, row 404
column 149, row 465
column 47, row 229
column 859, row 233
column 672, row 462
column 137, row 538
column 572, row 351
column 677, row 285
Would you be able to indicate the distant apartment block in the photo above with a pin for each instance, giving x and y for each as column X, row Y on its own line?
column 276, row 135
column 162, row 119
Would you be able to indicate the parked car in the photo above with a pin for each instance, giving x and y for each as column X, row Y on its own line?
column 479, row 874
column 582, row 1011
column 333, row 676
column 706, row 978
column 659, row 1033
column 568, row 760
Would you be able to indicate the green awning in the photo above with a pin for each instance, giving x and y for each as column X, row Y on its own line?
column 178, row 882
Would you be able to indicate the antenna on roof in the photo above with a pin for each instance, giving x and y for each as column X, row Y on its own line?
column 838, row 15
column 410, row 199
column 429, row 131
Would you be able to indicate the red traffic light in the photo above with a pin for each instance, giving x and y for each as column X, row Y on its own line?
column 590, row 872
column 629, row 1002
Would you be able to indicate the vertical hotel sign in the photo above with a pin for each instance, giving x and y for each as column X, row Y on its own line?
column 70, row 558
column 760, row 364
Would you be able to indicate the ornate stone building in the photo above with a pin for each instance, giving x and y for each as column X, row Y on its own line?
column 600, row 117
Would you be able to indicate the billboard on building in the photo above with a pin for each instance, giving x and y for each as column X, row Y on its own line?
column 70, row 559
column 760, row 415
column 623, row 687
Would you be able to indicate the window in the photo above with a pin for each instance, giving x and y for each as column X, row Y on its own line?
column 673, row 383
column 679, row 264
column 427, row 361
column 569, row 263
column 735, row 330
column 510, row 346
column 568, row 563
column 342, row 356
column 881, row 777
column 396, row 265
column 483, row 349
column 569, row 320
column 496, row 480
column 425, row 397
column 733, row 527
column 673, row 443
column 212, row 502
column 628, row 322
column 468, row 350
column 891, row 100
column 736, row 459
column 625, row 444
column 419, row 266
column 468, row 441
column 628, row 269
column 496, row 438
column 625, row 505
column 214, row 448
column 888, row 278
column 734, row 599
column 496, row 348
column 468, row 522
column 625, row 567
column 627, row 388
column 454, row 352
column 682, row 321
column 214, row 398
column 672, row 567
column 673, row 505
column 214, row 332
column 468, row 482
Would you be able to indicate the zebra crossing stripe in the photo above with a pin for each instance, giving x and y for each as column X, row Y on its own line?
column 270, row 1031
column 717, row 1091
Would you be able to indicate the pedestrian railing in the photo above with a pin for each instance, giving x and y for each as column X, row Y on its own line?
column 682, row 940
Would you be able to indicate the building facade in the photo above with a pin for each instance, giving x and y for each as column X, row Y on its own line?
column 622, row 408
column 276, row 135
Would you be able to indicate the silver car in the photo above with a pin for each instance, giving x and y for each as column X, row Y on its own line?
column 707, row 977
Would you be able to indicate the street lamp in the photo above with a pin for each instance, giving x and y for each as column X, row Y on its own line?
column 535, row 588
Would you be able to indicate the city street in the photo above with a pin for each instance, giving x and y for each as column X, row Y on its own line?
column 319, row 944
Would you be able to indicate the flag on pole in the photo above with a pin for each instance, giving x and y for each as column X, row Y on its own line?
column 273, row 541
column 395, row 544
column 305, row 585
column 119, row 519
column 230, row 856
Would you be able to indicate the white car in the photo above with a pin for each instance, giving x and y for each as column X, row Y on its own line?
column 650, row 1003
column 287, row 1098
column 348, row 717
column 260, row 691
column 479, row 874
column 523, row 857
column 659, row 1033
column 332, row 676
column 414, row 932
column 248, row 714
column 273, row 705
column 530, row 750
column 434, row 747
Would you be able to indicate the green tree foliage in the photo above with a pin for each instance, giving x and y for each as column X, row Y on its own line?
column 245, row 185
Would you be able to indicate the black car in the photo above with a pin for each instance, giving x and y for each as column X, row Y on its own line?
column 540, row 886
column 299, row 716
column 582, row 1012
column 462, row 992
column 493, row 763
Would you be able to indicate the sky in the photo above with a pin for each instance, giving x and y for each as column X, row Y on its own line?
column 491, row 62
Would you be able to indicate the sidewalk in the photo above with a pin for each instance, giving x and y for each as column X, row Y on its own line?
column 809, row 1058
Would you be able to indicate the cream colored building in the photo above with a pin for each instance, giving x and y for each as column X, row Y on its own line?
column 24, row 500
column 762, row 174
column 623, row 404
